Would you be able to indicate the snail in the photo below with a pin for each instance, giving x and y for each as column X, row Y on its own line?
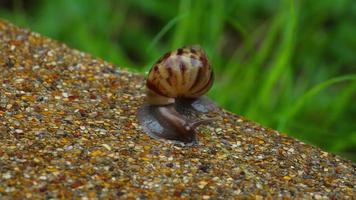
column 174, row 89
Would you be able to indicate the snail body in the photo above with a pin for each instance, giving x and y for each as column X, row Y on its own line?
column 173, row 84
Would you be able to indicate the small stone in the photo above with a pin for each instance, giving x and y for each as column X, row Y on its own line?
column 68, row 148
column 19, row 80
column 300, row 172
column 65, row 95
column 259, row 186
column 9, row 189
column 216, row 178
column 258, row 197
column 60, row 132
column 18, row 131
column 106, row 146
column 69, row 118
column 202, row 184
column 7, row 175
column 291, row 150
column 96, row 153
column 318, row 196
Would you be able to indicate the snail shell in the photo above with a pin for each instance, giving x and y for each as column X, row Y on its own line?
column 184, row 73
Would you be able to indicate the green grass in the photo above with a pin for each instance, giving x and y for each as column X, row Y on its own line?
column 289, row 65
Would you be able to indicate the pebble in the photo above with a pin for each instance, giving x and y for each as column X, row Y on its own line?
column 202, row 184
column 18, row 131
column 106, row 147
column 6, row 175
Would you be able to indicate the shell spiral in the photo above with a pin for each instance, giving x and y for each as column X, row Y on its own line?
column 183, row 73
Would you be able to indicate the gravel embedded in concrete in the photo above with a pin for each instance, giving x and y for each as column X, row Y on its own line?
column 68, row 129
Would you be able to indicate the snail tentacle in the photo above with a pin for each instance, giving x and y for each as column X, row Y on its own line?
column 197, row 123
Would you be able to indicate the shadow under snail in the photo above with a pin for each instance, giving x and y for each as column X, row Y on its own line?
column 174, row 89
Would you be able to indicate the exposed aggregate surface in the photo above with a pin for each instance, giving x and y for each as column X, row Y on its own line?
column 68, row 129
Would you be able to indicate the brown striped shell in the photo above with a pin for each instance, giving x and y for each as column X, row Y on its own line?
column 184, row 73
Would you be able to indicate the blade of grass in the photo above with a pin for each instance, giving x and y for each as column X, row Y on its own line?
column 251, row 67
column 342, row 102
column 214, row 28
column 164, row 30
column 283, row 56
column 312, row 92
column 183, row 25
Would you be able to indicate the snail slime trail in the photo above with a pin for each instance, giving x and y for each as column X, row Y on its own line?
column 175, row 87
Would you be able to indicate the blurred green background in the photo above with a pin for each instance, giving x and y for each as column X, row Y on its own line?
column 289, row 65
